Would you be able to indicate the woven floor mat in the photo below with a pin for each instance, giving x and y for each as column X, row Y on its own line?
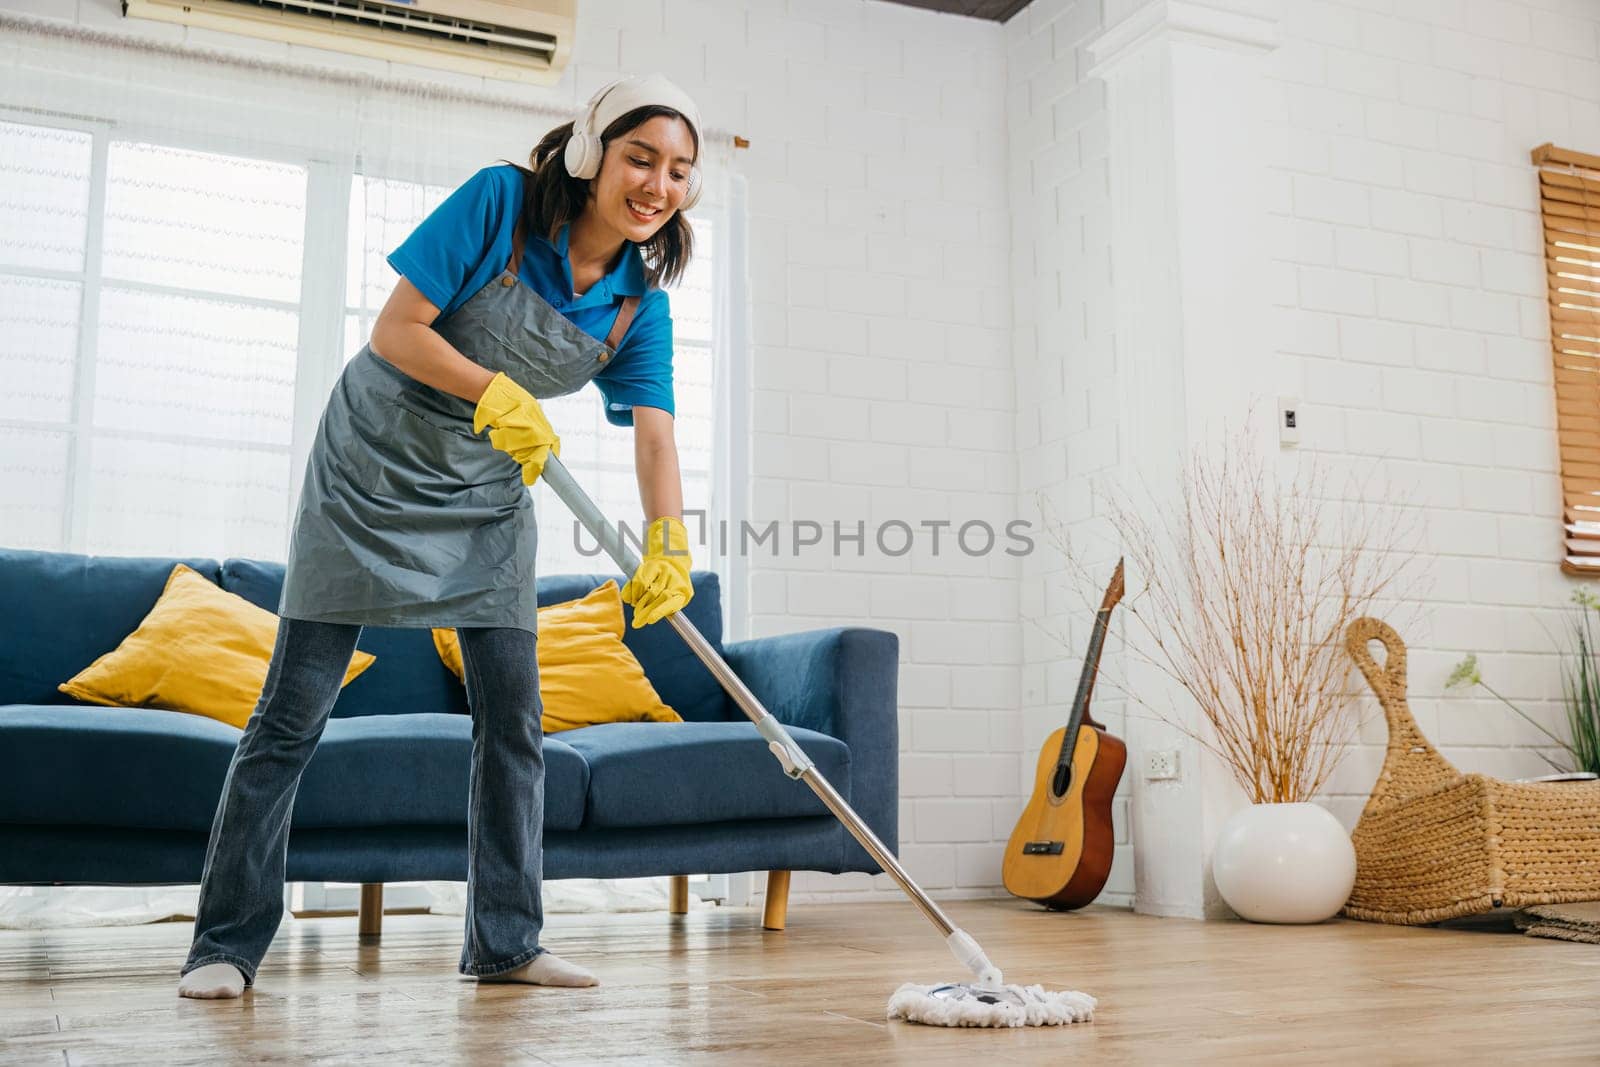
column 1565, row 922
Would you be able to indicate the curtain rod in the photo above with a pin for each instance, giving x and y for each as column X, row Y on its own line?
column 67, row 31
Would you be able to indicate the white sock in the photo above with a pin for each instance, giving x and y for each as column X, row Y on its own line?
column 546, row 969
column 214, row 981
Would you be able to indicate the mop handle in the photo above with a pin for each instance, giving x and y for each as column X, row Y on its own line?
column 796, row 764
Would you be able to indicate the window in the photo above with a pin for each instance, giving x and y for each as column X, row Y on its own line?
column 153, row 350
column 43, row 237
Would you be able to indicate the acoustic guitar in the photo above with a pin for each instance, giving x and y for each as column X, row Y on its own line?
column 1060, row 853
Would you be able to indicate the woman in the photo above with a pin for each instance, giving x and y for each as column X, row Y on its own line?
column 409, row 517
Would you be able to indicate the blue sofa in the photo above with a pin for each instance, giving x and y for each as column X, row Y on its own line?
column 125, row 796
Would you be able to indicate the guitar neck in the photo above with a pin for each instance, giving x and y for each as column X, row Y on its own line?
column 1080, row 703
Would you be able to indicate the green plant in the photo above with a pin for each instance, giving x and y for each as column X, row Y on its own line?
column 1580, row 678
column 1582, row 685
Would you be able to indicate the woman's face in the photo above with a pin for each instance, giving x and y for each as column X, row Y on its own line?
column 644, row 176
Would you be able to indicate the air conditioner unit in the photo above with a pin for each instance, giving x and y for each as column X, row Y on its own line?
column 515, row 40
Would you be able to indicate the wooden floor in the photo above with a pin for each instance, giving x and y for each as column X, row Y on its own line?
column 712, row 987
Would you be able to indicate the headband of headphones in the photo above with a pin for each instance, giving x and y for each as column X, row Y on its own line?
column 584, row 150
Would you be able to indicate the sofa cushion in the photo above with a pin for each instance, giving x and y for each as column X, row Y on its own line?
column 202, row 650
column 414, row 770
column 677, row 673
column 140, row 767
column 408, row 676
column 586, row 674
column 61, row 611
column 665, row 774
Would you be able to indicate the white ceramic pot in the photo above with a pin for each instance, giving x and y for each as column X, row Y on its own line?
column 1284, row 863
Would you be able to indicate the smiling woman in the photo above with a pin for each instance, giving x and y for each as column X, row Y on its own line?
column 523, row 284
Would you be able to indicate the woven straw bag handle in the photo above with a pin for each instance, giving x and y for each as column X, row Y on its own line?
column 1411, row 764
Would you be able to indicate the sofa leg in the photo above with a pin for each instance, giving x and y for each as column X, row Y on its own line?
column 680, row 894
column 371, row 921
column 777, row 905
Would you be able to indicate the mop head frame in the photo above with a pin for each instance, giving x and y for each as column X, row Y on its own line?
column 961, row 1004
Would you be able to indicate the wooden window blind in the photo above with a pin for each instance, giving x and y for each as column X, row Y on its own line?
column 1569, row 198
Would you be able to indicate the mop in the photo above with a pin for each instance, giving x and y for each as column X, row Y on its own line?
column 986, row 1002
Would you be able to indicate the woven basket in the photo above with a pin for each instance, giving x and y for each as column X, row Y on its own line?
column 1435, row 844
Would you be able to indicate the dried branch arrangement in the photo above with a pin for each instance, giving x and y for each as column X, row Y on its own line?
column 1244, row 591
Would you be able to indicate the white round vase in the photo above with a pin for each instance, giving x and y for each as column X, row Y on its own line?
column 1284, row 863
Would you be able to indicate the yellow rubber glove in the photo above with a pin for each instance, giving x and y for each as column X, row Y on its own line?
column 520, row 429
column 661, row 585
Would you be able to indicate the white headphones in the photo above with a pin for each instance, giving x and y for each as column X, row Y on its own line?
column 584, row 150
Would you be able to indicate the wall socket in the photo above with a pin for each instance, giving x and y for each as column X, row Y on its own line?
column 1161, row 765
column 1289, row 421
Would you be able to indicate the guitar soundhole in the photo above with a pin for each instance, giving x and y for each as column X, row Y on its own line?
column 1063, row 778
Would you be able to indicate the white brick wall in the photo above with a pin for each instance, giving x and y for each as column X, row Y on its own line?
column 1410, row 237
column 881, row 309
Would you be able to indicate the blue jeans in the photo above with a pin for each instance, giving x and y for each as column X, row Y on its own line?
column 241, row 892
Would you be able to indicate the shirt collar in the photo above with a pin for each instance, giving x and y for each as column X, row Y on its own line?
column 625, row 279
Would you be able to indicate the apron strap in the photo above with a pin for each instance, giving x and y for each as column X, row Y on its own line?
column 630, row 304
column 516, row 250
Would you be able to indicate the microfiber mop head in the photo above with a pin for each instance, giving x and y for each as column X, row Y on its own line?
column 975, row 1005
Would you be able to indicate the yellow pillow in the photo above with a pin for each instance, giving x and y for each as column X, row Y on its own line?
column 586, row 674
column 201, row 650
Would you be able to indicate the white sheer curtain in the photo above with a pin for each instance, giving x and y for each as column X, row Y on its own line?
column 191, row 246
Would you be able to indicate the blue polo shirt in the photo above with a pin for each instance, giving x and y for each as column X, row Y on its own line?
column 466, row 242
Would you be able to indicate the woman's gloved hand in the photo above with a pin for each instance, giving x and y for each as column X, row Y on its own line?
column 661, row 585
column 519, row 428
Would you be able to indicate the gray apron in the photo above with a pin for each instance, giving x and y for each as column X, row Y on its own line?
column 407, row 517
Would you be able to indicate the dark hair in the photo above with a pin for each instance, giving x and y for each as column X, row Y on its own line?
column 551, row 197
